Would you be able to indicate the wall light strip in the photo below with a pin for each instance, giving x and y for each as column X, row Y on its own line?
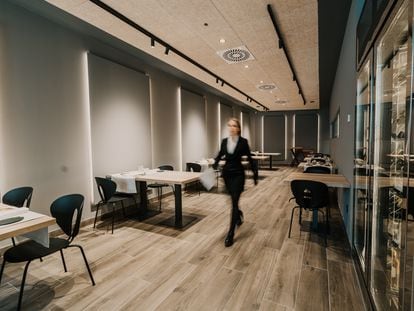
column 319, row 133
column 180, row 130
column 88, row 123
column 286, row 136
column 262, row 133
column 219, row 124
column 134, row 25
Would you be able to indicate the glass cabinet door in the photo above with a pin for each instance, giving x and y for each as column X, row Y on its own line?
column 390, row 163
column 362, row 163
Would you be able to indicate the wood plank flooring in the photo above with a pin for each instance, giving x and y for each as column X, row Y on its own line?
column 145, row 266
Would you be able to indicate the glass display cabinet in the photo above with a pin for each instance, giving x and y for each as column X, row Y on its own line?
column 390, row 174
column 383, row 235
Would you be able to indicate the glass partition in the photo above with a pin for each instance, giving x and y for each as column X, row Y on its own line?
column 390, row 163
column 362, row 163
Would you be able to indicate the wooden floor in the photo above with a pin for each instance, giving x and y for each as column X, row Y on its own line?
column 144, row 266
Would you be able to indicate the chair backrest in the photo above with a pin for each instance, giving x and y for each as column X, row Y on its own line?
column 309, row 193
column 106, row 188
column 318, row 169
column 63, row 209
column 166, row 167
column 18, row 196
column 193, row 167
column 297, row 153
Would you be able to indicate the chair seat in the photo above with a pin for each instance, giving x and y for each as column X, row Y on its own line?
column 157, row 185
column 31, row 250
column 116, row 199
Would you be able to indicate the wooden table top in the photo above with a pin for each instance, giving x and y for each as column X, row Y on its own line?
column 22, row 227
column 267, row 153
column 331, row 180
column 169, row 177
column 260, row 157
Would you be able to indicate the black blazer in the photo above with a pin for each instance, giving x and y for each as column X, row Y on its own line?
column 233, row 161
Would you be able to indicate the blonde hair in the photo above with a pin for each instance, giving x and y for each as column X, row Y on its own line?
column 235, row 120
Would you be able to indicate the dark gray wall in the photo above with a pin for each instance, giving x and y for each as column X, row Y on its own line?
column 344, row 98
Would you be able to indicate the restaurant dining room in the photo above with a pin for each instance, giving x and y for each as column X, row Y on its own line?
column 206, row 155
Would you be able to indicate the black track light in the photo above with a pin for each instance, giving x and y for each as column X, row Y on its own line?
column 217, row 80
column 167, row 50
column 222, row 83
column 152, row 42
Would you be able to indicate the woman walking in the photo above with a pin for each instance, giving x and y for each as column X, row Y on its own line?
column 232, row 149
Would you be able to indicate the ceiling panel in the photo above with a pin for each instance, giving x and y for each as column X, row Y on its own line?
column 195, row 28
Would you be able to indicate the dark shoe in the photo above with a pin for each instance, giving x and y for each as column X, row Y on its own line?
column 241, row 218
column 229, row 239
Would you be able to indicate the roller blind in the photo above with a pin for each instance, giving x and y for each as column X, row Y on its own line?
column 274, row 134
column 246, row 128
column 193, row 124
column 120, row 117
column 306, row 131
column 226, row 112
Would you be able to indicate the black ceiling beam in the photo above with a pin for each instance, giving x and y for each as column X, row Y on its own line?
column 168, row 47
column 282, row 45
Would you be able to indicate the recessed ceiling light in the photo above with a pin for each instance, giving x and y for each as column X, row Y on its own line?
column 271, row 92
column 222, row 40
column 246, row 66
column 261, row 81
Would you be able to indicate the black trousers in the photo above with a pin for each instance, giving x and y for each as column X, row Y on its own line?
column 234, row 180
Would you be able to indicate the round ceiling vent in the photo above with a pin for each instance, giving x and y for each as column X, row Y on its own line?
column 266, row 87
column 281, row 101
column 236, row 55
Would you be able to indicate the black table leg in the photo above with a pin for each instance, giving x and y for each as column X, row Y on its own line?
column 178, row 207
column 143, row 194
column 144, row 212
column 271, row 161
column 178, row 221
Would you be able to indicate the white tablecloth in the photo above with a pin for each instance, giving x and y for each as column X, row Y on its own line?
column 125, row 182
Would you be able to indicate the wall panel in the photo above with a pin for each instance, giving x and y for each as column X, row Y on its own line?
column 193, row 125
column 274, row 134
column 306, row 131
column 120, row 117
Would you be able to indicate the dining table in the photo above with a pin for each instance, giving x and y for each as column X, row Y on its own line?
column 175, row 178
column 265, row 156
column 331, row 180
column 24, row 223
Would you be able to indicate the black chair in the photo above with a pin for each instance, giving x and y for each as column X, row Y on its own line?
column 63, row 209
column 318, row 169
column 18, row 197
column 298, row 156
column 107, row 192
column 159, row 186
column 310, row 195
column 194, row 167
